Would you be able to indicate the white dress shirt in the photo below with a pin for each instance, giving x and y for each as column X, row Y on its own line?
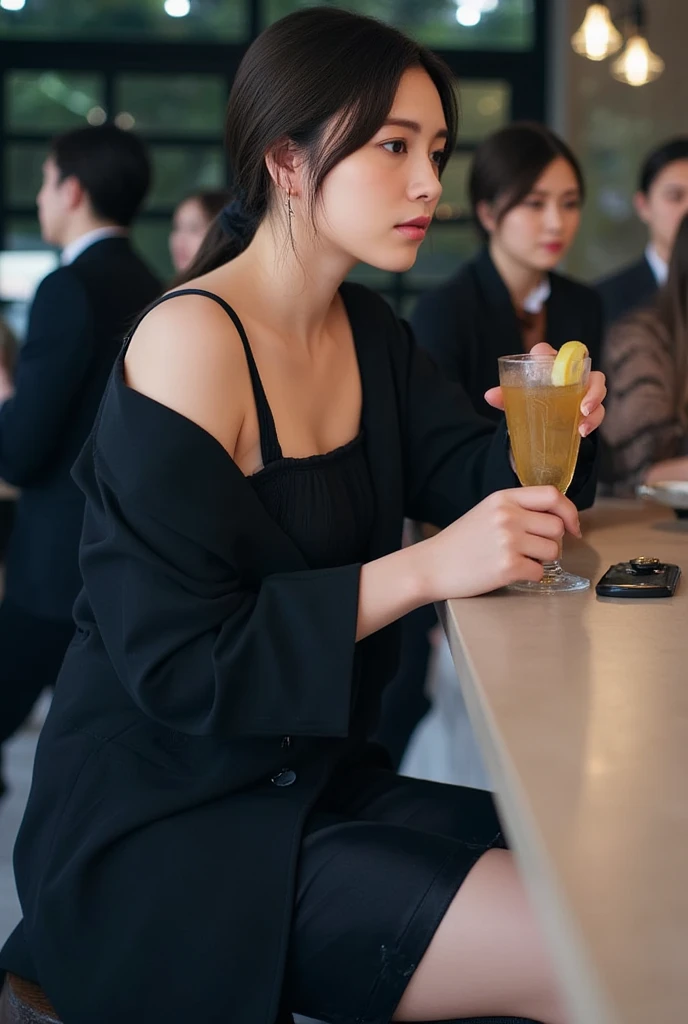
column 79, row 245
column 658, row 266
column 535, row 300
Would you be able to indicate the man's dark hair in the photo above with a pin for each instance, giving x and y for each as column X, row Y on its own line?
column 111, row 165
column 658, row 159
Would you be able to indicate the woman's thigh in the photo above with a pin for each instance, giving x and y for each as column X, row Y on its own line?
column 408, row 907
column 373, row 888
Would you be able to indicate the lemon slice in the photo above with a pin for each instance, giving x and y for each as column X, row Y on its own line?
column 568, row 365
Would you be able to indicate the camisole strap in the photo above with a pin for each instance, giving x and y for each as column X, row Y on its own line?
column 270, row 447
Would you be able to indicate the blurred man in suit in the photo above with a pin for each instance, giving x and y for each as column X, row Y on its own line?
column 94, row 182
column 660, row 202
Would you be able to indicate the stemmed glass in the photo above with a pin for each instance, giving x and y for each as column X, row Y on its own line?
column 543, row 420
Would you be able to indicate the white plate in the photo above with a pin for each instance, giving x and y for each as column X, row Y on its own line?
column 673, row 493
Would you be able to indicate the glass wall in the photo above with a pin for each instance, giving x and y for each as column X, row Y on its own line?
column 182, row 20
column 175, row 96
column 442, row 24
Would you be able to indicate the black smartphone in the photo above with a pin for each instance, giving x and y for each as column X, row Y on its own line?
column 639, row 577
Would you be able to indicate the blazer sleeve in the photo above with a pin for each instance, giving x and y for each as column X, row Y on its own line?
column 455, row 457
column 172, row 532
column 435, row 325
column 595, row 328
column 52, row 363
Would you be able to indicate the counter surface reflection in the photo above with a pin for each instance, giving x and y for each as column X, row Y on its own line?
column 580, row 706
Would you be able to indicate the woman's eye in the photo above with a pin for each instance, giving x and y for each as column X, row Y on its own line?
column 573, row 204
column 533, row 204
column 439, row 156
column 398, row 146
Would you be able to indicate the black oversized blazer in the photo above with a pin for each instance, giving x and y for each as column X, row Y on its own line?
column 78, row 318
column 157, row 858
column 469, row 322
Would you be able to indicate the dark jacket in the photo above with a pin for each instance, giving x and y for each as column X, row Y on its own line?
column 156, row 861
column 630, row 288
column 469, row 322
column 78, row 319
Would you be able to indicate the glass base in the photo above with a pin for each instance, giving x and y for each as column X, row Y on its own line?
column 557, row 583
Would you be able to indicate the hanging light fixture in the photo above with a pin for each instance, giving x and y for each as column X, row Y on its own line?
column 597, row 37
column 637, row 65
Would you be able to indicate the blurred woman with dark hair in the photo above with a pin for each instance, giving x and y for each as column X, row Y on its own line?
column 526, row 190
column 192, row 218
column 646, row 356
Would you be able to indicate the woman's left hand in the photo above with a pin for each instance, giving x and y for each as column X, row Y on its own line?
column 591, row 406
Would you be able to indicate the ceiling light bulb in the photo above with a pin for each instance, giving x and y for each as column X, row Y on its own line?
column 177, row 8
column 637, row 65
column 467, row 15
column 12, row 5
column 597, row 37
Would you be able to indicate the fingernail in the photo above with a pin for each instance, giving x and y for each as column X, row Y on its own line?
column 584, row 431
column 580, row 532
column 585, row 409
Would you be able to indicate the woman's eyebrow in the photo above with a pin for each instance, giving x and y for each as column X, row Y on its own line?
column 413, row 126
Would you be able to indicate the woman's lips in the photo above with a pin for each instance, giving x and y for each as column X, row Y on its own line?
column 414, row 229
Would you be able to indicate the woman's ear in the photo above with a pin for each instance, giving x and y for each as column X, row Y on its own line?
column 485, row 214
column 286, row 167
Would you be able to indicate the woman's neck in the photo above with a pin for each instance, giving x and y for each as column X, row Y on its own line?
column 519, row 279
column 291, row 287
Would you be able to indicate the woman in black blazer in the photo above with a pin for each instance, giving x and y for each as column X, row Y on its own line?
column 209, row 835
column 526, row 189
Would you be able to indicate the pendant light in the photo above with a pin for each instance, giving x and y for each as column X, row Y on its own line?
column 637, row 65
column 597, row 37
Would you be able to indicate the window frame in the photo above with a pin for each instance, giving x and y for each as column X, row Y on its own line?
column 524, row 71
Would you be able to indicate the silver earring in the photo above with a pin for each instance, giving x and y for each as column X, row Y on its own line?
column 290, row 217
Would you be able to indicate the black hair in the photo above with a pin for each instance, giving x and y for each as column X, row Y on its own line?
column 211, row 201
column 325, row 79
column 110, row 164
column 658, row 159
column 507, row 164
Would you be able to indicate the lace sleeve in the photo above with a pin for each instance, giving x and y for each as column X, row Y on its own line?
column 641, row 426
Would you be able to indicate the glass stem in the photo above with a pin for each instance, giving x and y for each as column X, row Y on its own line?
column 551, row 571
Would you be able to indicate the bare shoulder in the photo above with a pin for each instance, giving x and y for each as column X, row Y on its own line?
column 187, row 354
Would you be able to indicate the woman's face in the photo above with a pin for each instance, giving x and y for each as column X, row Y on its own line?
column 188, row 231
column 538, row 232
column 375, row 205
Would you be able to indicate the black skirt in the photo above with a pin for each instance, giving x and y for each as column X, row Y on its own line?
column 382, row 858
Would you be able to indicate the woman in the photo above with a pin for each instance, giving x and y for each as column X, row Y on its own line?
column 526, row 189
column 646, row 356
column 209, row 835
column 191, row 220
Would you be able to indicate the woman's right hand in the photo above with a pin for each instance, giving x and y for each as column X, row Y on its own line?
column 503, row 539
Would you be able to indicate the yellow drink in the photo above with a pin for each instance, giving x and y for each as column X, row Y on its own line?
column 543, row 428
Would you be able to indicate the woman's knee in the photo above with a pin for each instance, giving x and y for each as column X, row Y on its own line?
column 488, row 956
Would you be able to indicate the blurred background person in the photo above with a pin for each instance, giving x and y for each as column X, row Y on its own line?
column 646, row 355
column 94, row 182
column 191, row 220
column 660, row 202
column 8, row 495
column 526, row 189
